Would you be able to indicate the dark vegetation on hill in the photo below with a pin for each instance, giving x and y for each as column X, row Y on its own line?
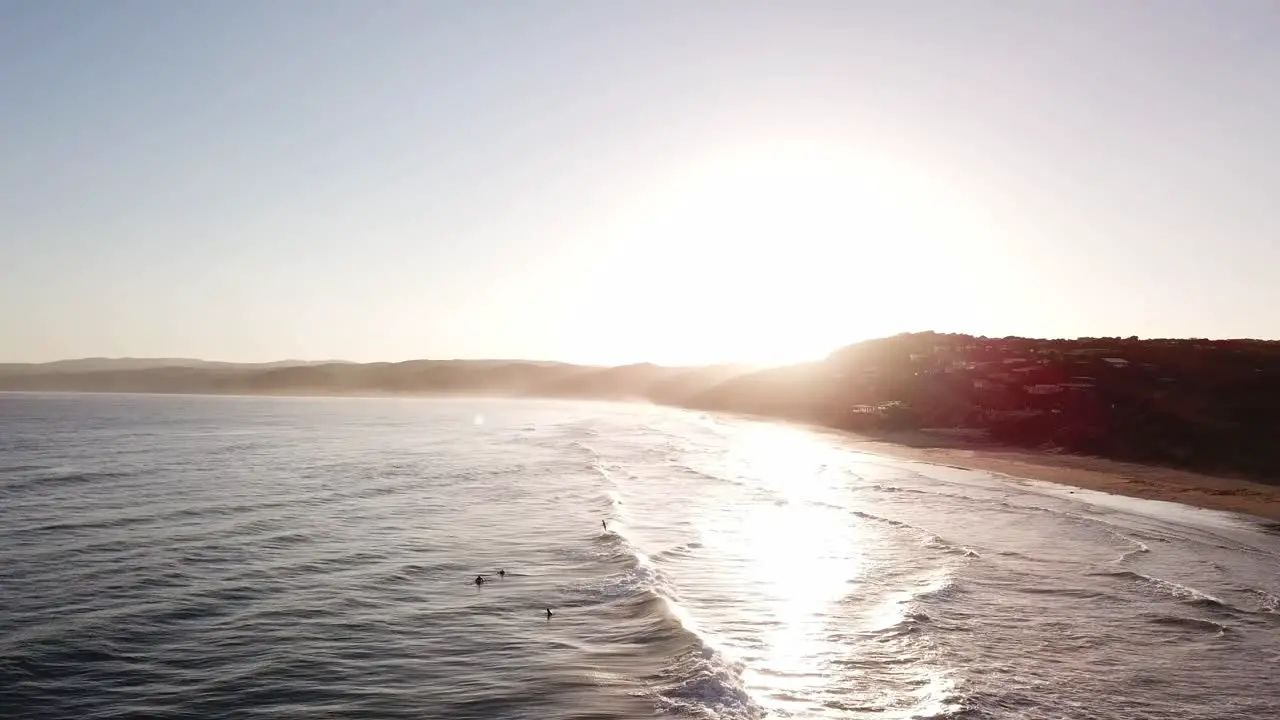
column 1202, row 404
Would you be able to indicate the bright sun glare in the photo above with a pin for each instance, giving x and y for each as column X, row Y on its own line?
column 781, row 253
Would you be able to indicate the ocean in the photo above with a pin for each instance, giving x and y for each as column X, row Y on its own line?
column 232, row 557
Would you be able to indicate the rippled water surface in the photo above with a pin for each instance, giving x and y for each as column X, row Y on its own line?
column 314, row 558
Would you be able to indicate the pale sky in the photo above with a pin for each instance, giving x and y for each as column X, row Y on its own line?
column 609, row 181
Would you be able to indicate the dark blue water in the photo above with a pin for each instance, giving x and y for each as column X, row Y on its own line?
column 307, row 558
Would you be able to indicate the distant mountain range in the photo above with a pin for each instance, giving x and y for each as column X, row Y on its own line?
column 1205, row 404
column 99, row 364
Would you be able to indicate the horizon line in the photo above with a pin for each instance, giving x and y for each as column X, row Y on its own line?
column 342, row 361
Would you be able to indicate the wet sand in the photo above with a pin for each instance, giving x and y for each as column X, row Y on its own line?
column 967, row 450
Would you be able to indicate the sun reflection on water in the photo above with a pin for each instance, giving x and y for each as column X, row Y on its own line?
column 809, row 595
column 800, row 553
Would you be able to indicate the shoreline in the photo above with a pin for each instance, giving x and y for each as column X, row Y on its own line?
column 960, row 449
column 1148, row 482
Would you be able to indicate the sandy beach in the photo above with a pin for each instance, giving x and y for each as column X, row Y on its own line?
column 964, row 450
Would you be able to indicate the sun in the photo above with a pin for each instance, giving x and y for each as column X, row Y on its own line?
column 776, row 253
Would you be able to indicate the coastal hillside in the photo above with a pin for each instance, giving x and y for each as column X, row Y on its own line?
column 1211, row 405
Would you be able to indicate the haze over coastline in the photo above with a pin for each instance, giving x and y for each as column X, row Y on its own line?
column 687, row 204
column 1192, row 404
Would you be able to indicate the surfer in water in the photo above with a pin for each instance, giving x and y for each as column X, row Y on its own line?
column 479, row 580
column 548, row 613
column 604, row 525
column 502, row 573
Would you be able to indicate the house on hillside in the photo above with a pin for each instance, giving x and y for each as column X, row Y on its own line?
column 1007, row 415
